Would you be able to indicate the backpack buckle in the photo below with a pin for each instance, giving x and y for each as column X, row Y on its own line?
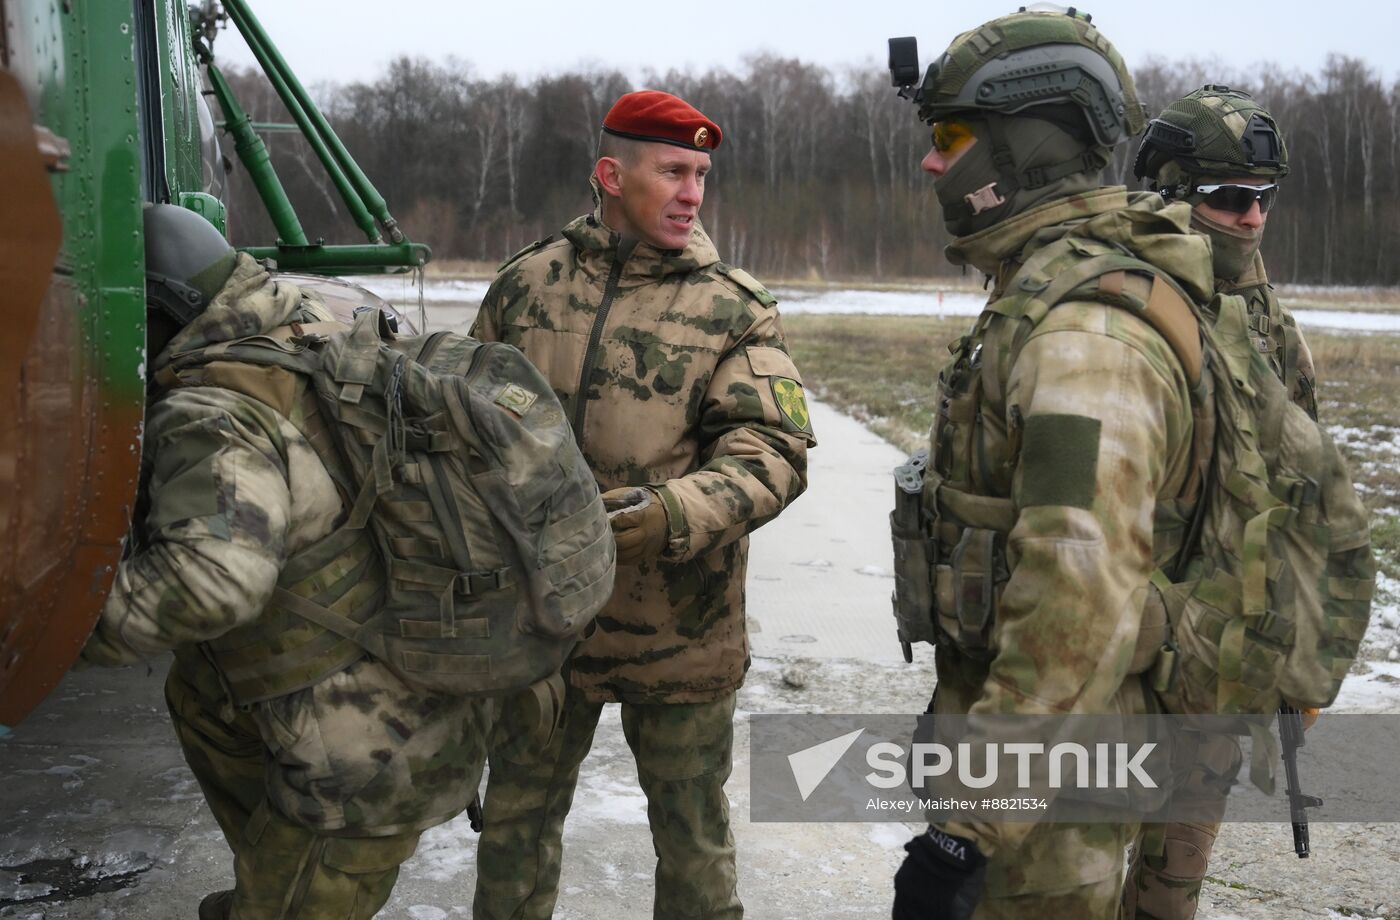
column 468, row 584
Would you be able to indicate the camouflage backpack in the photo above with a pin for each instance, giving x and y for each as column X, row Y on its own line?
column 1269, row 596
column 476, row 549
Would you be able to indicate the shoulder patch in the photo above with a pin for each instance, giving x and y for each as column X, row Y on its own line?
column 747, row 282
column 536, row 245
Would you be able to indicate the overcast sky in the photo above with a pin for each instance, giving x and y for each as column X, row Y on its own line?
column 349, row 40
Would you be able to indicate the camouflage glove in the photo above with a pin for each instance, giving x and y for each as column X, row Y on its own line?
column 941, row 878
column 638, row 519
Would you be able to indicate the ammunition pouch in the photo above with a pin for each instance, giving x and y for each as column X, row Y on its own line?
column 915, row 554
column 967, row 589
column 950, row 600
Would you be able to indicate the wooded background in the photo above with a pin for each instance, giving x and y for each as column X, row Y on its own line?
column 818, row 174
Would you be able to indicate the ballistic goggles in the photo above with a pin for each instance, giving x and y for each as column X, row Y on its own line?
column 1236, row 198
column 952, row 136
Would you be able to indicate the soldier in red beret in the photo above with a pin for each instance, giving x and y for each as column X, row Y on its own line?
column 691, row 415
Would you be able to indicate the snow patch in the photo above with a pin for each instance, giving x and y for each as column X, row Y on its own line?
column 444, row 852
column 427, row 912
column 889, row 836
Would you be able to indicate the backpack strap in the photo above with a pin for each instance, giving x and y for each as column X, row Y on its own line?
column 1077, row 269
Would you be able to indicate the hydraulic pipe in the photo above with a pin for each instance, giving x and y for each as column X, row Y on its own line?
column 276, row 70
column 252, row 152
column 344, row 258
column 248, row 24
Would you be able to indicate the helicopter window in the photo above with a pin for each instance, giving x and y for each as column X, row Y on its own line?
column 215, row 179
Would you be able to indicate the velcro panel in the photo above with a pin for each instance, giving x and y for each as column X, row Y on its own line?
column 1059, row 460
column 428, row 662
column 420, row 547
column 474, row 628
column 272, row 386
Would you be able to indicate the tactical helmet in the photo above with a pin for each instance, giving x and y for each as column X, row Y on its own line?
column 1215, row 131
column 187, row 261
column 1031, row 59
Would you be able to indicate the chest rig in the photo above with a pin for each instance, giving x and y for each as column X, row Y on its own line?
column 1276, row 335
column 953, row 508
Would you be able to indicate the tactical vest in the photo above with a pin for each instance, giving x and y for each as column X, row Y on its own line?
column 1263, row 588
column 1275, row 334
column 475, row 549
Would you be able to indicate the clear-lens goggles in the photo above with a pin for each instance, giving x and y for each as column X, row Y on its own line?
column 951, row 136
column 1238, row 199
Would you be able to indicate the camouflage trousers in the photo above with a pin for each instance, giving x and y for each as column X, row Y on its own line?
column 283, row 870
column 1170, row 860
column 1060, row 870
column 684, row 754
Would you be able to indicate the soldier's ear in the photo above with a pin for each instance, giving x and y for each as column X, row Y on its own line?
column 608, row 172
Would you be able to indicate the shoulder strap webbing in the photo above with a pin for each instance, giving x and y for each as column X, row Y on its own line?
column 1052, row 274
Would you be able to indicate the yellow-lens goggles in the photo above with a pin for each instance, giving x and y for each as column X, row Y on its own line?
column 952, row 136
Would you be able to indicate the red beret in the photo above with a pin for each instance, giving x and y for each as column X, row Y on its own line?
column 650, row 115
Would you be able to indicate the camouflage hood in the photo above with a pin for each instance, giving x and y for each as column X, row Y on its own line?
column 1142, row 223
column 597, row 246
column 250, row 302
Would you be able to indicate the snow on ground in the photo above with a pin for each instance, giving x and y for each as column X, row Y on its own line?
column 467, row 293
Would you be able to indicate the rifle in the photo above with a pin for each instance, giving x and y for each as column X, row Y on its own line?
column 1290, row 732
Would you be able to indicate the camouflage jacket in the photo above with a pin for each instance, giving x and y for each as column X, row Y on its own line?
column 1276, row 334
column 1085, row 437
column 232, row 490
column 674, row 369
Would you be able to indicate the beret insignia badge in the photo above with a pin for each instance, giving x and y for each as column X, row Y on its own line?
column 701, row 136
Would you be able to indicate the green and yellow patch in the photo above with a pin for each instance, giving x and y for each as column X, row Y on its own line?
column 792, row 403
column 515, row 398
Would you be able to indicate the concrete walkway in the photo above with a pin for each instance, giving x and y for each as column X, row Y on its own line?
column 820, row 575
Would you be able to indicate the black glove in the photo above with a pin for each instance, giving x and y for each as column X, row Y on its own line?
column 941, row 878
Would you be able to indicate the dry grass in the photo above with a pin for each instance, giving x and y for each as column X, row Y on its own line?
column 882, row 370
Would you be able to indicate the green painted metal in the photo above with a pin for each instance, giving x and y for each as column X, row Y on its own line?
column 117, row 85
column 300, row 107
column 348, row 259
column 206, row 206
column 300, row 102
column 252, row 153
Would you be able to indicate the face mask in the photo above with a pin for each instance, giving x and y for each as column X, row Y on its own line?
column 1232, row 248
column 1035, row 143
column 968, row 176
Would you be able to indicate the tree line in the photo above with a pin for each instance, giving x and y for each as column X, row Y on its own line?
column 818, row 172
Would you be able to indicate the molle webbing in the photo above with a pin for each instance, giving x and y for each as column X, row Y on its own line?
column 283, row 651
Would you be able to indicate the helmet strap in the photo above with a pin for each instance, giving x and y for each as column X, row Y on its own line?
column 1011, row 179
